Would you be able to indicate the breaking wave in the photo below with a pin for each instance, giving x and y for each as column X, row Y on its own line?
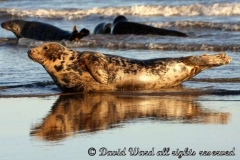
column 217, row 9
column 198, row 24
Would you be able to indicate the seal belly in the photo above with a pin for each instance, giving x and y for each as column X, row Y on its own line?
column 42, row 31
column 164, row 76
column 175, row 75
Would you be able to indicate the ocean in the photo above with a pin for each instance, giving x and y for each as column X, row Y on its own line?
column 38, row 121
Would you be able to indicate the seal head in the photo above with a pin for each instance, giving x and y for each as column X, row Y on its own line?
column 15, row 26
column 49, row 52
column 120, row 18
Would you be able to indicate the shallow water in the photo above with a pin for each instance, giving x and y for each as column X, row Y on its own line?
column 38, row 121
column 59, row 127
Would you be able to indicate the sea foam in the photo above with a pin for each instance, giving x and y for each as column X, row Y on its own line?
column 217, row 9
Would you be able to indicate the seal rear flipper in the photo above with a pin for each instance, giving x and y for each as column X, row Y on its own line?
column 207, row 61
column 96, row 65
column 166, row 32
column 77, row 36
column 74, row 35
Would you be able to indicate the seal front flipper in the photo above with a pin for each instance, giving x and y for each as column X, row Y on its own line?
column 97, row 65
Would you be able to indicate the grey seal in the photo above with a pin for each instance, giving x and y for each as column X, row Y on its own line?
column 74, row 71
column 35, row 30
column 121, row 25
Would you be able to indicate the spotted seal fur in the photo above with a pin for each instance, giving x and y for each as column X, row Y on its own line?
column 74, row 71
column 121, row 25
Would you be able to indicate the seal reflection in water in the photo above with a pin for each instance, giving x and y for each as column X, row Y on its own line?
column 74, row 71
column 93, row 112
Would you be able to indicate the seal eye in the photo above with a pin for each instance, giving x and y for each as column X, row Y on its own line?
column 45, row 47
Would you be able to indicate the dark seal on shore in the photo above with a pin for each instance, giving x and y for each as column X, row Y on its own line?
column 35, row 30
column 74, row 71
column 122, row 26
